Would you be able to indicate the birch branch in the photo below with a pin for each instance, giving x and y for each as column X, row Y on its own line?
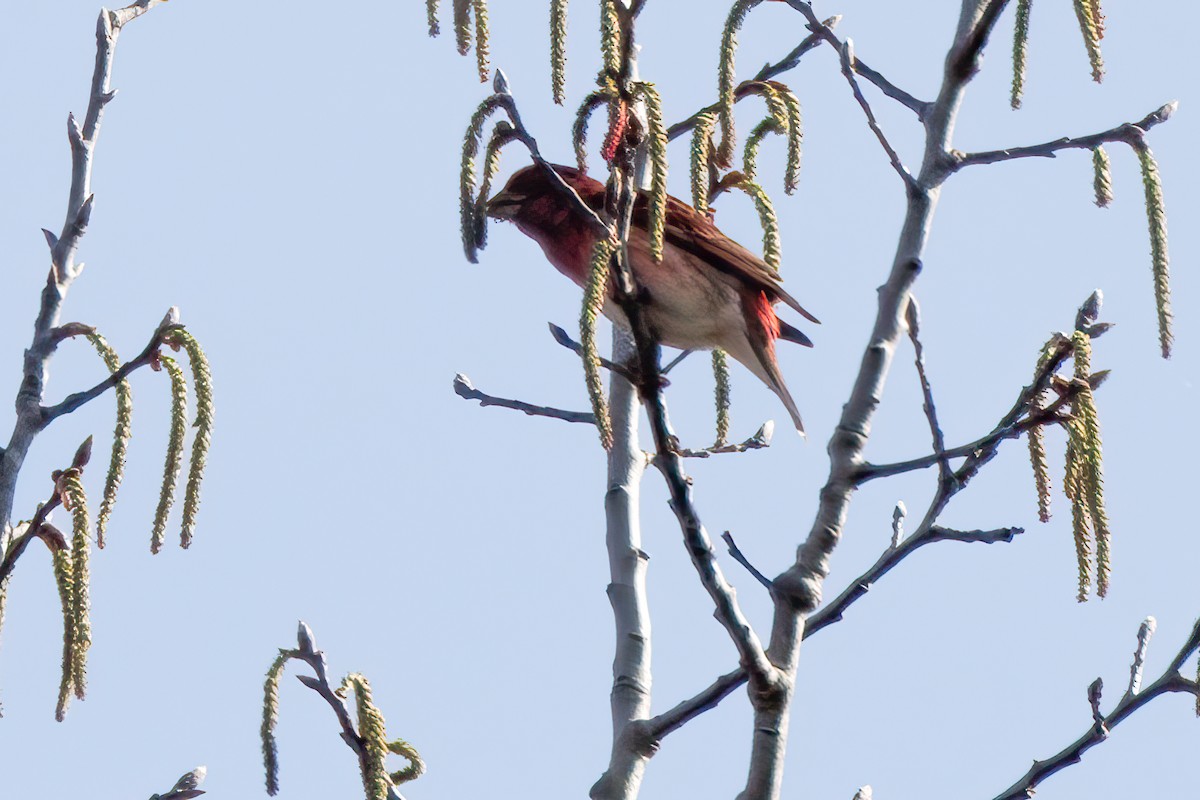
column 797, row 591
column 1170, row 681
column 63, row 247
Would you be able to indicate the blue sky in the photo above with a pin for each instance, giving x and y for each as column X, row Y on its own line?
column 287, row 175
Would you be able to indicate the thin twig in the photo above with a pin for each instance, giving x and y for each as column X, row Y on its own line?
column 17, row 546
column 760, row 440
column 464, row 389
column 563, row 338
column 1010, row 426
column 1169, row 681
column 75, row 401
column 913, row 318
column 506, row 101
column 847, row 59
column 63, row 247
column 825, row 31
column 1125, row 132
column 832, row 612
column 308, row 653
column 740, row 557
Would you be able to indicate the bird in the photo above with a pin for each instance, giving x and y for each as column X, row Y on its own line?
column 707, row 292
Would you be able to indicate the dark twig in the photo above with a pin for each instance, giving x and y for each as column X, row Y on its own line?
column 675, row 362
column 563, row 338
column 506, row 101
column 847, row 59
column 17, row 546
column 825, row 31
column 186, row 787
column 677, row 717
column 832, row 611
column 75, row 401
column 308, row 653
column 63, row 248
column 746, row 88
column 1125, row 132
column 913, row 318
column 464, row 389
column 740, row 557
column 761, row 439
column 1010, row 426
column 1170, row 681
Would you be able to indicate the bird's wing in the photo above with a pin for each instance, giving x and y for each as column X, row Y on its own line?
column 694, row 233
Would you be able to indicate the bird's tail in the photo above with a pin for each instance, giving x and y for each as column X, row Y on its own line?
column 762, row 362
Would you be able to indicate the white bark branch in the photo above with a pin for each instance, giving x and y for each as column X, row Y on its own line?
column 63, row 269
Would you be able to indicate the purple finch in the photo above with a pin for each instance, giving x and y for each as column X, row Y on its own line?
column 707, row 292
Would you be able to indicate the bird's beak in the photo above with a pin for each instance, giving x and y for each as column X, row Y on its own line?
column 505, row 205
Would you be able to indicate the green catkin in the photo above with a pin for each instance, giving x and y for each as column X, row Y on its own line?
column 726, row 77
column 1156, row 217
column 580, row 128
column 462, row 26
column 482, row 39
column 610, row 40
column 753, row 141
column 202, row 381
column 594, row 295
column 558, row 49
column 121, row 434
column 174, row 458
column 75, row 500
column 657, row 150
column 1037, row 445
column 722, row 395
column 1102, row 177
column 372, row 731
column 1092, row 469
column 416, row 764
column 1020, row 52
column 795, row 138
column 431, row 14
column 468, row 204
column 1081, row 522
column 772, row 249
column 1091, row 25
column 502, row 134
column 64, row 579
column 701, row 160
column 270, row 748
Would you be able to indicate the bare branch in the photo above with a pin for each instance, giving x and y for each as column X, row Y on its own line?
column 740, row 557
column 63, row 269
column 506, row 101
column 760, row 440
column 308, row 653
column 832, row 612
column 913, row 319
column 679, row 716
column 1170, row 681
column 75, row 401
column 847, row 59
column 1125, row 132
column 464, row 389
column 563, row 338
column 825, row 31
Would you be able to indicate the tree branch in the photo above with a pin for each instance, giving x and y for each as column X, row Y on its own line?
column 1128, row 132
column 464, row 389
column 797, row 591
column 73, row 402
column 308, row 653
column 824, row 30
column 846, row 55
column 63, row 269
column 1169, row 681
